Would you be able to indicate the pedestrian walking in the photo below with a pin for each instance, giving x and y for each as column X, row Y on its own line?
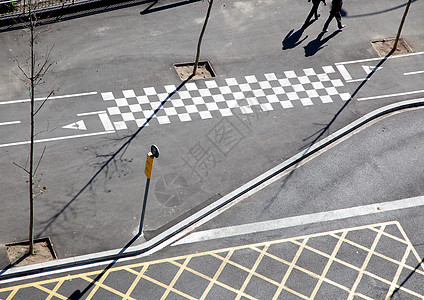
column 314, row 10
column 335, row 12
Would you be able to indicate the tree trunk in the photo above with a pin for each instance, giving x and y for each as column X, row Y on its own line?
column 31, row 145
column 401, row 26
column 201, row 37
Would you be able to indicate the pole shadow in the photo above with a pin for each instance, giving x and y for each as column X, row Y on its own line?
column 318, row 44
column 110, row 159
column 78, row 294
column 292, row 39
column 420, row 264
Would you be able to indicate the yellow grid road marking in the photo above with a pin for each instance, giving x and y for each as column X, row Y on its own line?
column 217, row 273
column 10, row 297
column 53, row 293
column 251, row 272
column 225, row 255
column 135, row 282
column 327, row 266
column 365, row 264
column 291, row 266
column 398, row 272
column 50, row 292
column 174, row 280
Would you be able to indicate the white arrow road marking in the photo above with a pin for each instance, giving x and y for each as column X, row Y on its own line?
column 77, row 125
column 369, row 69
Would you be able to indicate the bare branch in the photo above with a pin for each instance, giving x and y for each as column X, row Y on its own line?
column 20, row 167
column 23, row 71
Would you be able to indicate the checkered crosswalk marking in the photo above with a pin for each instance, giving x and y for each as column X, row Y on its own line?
column 206, row 99
column 368, row 262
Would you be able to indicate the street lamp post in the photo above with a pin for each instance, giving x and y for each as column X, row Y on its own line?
column 154, row 153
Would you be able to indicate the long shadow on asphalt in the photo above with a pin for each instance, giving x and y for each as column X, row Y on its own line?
column 87, row 8
column 346, row 15
column 318, row 44
column 149, row 9
column 420, row 264
column 111, row 158
column 292, row 39
column 320, row 133
column 78, row 294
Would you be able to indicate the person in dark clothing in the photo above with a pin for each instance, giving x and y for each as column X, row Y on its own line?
column 314, row 10
column 335, row 12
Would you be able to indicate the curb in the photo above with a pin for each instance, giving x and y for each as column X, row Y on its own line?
column 179, row 227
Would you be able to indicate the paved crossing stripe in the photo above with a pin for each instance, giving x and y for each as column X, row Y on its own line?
column 204, row 99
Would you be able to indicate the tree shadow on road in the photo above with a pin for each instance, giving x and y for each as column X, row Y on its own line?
column 109, row 160
column 310, row 149
column 346, row 15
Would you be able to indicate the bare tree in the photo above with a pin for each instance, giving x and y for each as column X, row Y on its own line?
column 196, row 63
column 32, row 71
column 401, row 25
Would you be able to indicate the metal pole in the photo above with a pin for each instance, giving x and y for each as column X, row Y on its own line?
column 143, row 211
column 401, row 25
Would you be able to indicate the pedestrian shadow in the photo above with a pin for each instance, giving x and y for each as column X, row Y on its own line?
column 316, row 45
column 292, row 38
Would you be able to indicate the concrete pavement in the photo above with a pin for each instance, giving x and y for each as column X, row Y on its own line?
column 369, row 248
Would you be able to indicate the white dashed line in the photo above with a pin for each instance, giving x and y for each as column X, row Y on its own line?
column 10, row 123
column 50, row 98
column 413, row 73
column 391, row 95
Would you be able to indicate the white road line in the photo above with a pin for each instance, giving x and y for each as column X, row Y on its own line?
column 391, row 95
column 413, row 73
column 56, row 139
column 357, row 80
column 377, row 58
column 10, row 123
column 91, row 113
column 301, row 220
column 50, row 98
